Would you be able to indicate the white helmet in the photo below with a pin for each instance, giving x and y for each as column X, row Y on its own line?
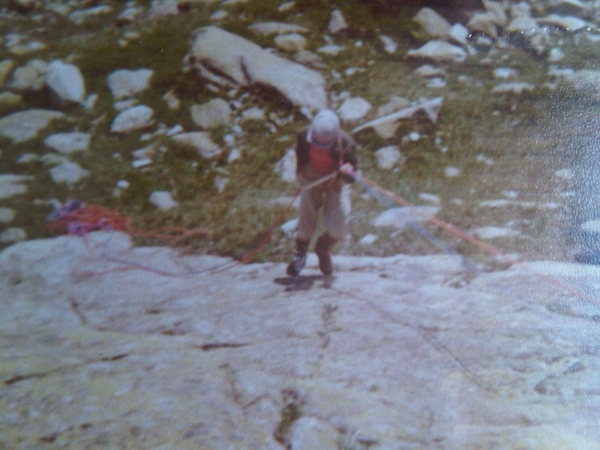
column 324, row 129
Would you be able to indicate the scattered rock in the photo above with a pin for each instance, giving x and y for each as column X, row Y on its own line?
column 401, row 218
column 567, row 23
column 354, row 109
column 433, row 24
column 254, row 113
column 268, row 28
column 212, row 114
column 7, row 215
column 126, row 83
column 287, row 166
column 31, row 76
column 452, row 172
column 483, row 23
column 368, row 239
column 224, row 53
column 25, row 125
column 289, row 228
column 505, row 73
column 172, row 101
column 310, row 59
column 585, row 81
column 66, row 82
column 291, row 42
column 78, row 17
column 337, row 22
column 440, row 52
column 68, row 142
column 330, row 49
column 513, row 88
column 5, row 67
column 13, row 235
column 388, row 157
column 68, row 172
column 132, row 119
column 429, row 71
column 459, row 34
column 201, row 142
column 11, row 185
column 389, row 45
column 163, row 200
column 386, row 126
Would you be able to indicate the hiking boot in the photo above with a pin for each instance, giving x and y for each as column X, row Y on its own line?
column 299, row 259
column 324, row 244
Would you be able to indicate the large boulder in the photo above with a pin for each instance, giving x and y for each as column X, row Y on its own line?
column 223, row 57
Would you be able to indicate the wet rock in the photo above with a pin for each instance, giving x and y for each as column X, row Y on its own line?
column 163, row 200
column 556, row 55
column 30, row 76
column 220, row 14
column 459, row 34
column 483, row 23
column 434, row 24
column 13, row 235
column 337, row 23
column 524, row 25
column 5, row 67
column 201, row 142
column 268, row 28
column 7, row 215
column 401, row 218
column 566, row 7
column 247, row 64
column 440, row 52
column 11, row 185
column 25, row 125
column 389, row 157
column 127, row 83
column 214, row 113
column 80, row 16
column 386, row 126
column 68, row 142
column 430, row 198
column 291, row 42
column 354, row 109
column 505, row 73
column 68, row 172
column 66, row 82
column 568, row 23
column 132, row 119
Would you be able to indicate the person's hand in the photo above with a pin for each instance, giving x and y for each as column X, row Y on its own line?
column 346, row 169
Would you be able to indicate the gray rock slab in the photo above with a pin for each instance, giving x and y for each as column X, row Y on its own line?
column 68, row 142
column 132, row 119
column 440, row 52
column 126, row 83
column 66, row 82
column 395, row 352
column 223, row 57
column 25, row 125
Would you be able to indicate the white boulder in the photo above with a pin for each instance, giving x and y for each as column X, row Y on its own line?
column 337, row 22
column 568, row 23
column 66, row 82
column 68, row 142
column 214, row 113
column 220, row 56
column 440, row 52
column 201, row 142
column 68, row 172
column 388, row 157
column 126, row 83
column 163, row 200
column 25, row 125
column 433, row 23
column 354, row 109
column 132, row 119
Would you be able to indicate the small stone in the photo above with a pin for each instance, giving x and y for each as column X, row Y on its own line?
column 396, row 103
column 11, row 185
column 124, row 104
column 337, row 22
column 430, row 198
column 78, row 17
column 286, row 7
column 172, row 101
column 400, row 218
column 132, row 119
column 68, row 142
column 291, row 42
column 254, row 113
column 68, row 172
column 214, row 113
column 388, row 157
column 66, row 82
column 163, row 200
column 122, row 184
column 459, row 34
column 126, row 83
column 25, row 125
column 439, row 51
column 5, row 67
column 330, row 49
column 220, row 14
column 13, row 235
column 354, row 109
column 452, row 172
column 389, row 45
column 494, row 232
column 31, row 76
column 201, row 142
column 513, row 88
column 556, row 55
column 10, row 99
column 368, row 239
column 433, row 24
column 483, row 23
column 505, row 73
column 220, row 183
column 7, row 215
column 268, row 28
column 414, row 136
column 289, row 228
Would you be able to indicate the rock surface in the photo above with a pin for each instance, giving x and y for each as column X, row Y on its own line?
column 221, row 52
column 401, row 352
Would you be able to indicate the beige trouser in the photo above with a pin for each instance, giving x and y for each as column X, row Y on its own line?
column 328, row 197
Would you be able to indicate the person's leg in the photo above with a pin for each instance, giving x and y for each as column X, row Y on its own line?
column 310, row 203
column 334, row 221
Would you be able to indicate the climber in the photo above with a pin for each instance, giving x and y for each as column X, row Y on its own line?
column 322, row 149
